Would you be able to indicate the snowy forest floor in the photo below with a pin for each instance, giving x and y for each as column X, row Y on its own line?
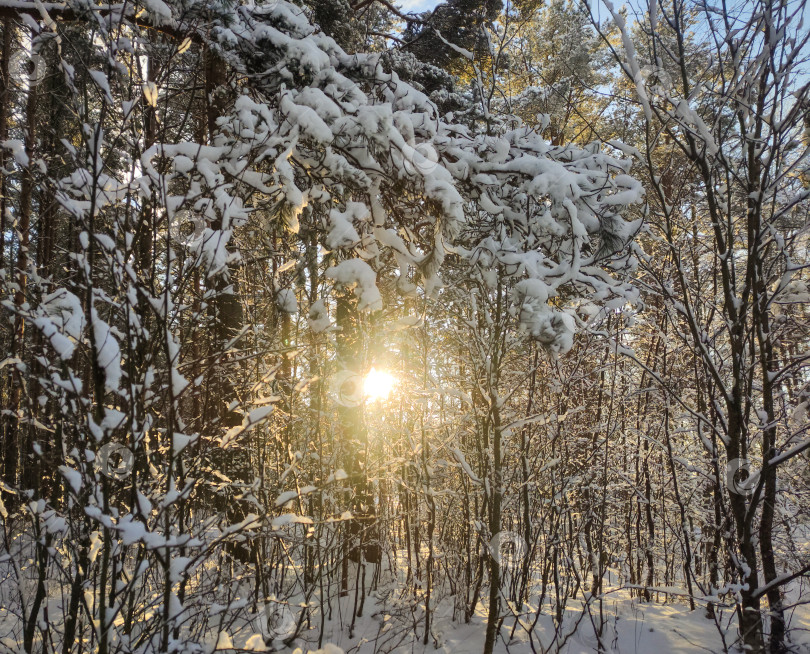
column 630, row 625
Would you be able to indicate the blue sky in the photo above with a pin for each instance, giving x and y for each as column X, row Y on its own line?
column 417, row 5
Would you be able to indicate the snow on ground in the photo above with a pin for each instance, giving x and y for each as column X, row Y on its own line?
column 632, row 626
column 389, row 615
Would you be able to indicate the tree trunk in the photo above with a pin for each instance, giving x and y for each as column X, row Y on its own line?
column 496, row 481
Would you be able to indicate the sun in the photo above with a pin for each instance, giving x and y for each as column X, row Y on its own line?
column 377, row 385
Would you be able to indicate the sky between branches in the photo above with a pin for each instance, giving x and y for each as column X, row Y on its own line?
column 417, row 5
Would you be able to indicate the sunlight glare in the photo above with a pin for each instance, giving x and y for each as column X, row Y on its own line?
column 378, row 385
